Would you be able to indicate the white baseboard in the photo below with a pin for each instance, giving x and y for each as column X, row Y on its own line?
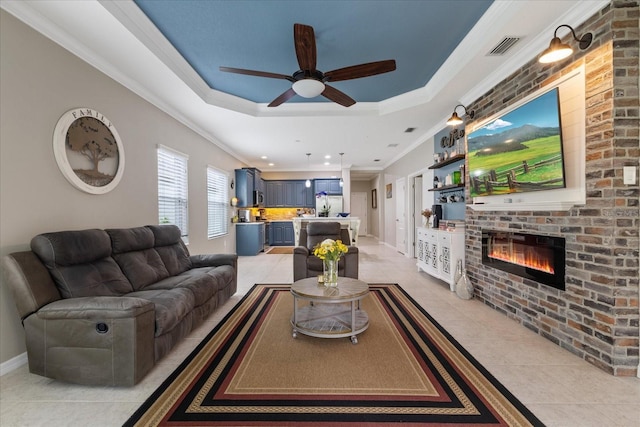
column 13, row 363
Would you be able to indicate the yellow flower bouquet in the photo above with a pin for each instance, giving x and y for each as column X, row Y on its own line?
column 330, row 249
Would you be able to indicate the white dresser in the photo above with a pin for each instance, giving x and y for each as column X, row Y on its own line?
column 438, row 252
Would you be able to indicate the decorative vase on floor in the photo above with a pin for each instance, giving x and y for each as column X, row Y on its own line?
column 464, row 288
column 330, row 272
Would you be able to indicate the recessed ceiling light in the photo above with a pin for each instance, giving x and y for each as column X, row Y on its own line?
column 263, row 157
column 328, row 156
column 392, row 145
column 327, row 163
column 376, row 160
column 271, row 164
column 409, row 130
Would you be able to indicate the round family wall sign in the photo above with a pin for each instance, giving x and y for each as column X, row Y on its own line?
column 88, row 150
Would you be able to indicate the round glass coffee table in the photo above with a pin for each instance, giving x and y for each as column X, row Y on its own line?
column 330, row 312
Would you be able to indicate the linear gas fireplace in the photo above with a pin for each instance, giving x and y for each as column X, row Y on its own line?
column 539, row 258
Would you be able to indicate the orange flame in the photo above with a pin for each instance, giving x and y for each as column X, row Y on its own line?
column 536, row 258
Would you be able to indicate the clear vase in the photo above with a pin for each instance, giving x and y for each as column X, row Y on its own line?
column 330, row 272
column 464, row 288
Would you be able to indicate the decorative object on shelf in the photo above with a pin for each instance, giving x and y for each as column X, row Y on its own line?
column 427, row 215
column 88, row 150
column 326, row 207
column 330, row 251
column 456, row 177
column 436, row 181
column 455, row 120
column 558, row 50
column 455, row 135
column 464, row 288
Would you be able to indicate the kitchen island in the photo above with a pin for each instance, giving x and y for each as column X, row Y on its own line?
column 351, row 223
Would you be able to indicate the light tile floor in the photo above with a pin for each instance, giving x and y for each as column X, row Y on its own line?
column 561, row 389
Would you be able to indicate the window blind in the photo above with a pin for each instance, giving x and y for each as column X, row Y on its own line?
column 173, row 189
column 218, row 199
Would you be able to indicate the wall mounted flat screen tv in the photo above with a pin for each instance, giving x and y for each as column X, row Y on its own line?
column 519, row 151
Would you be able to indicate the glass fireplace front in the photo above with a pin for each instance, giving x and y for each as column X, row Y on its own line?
column 539, row 258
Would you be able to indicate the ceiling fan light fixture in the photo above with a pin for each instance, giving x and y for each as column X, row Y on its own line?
column 308, row 88
column 558, row 50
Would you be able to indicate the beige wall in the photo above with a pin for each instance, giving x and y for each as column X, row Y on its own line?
column 412, row 164
column 40, row 81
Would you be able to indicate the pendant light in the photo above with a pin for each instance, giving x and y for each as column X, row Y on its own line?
column 307, row 183
column 341, row 180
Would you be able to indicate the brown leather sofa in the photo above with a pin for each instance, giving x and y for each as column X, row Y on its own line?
column 101, row 307
column 305, row 264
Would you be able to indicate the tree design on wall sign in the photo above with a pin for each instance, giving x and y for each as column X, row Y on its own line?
column 95, row 142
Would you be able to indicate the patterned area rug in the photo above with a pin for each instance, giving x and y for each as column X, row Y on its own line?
column 406, row 369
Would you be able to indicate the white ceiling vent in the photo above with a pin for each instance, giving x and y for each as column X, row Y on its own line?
column 504, row 45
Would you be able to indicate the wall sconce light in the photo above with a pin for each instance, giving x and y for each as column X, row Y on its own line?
column 455, row 120
column 234, row 201
column 558, row 50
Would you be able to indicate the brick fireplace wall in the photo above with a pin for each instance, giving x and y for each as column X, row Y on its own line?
column 597, row 317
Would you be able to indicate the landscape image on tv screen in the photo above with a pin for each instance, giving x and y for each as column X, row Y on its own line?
column 519, row 151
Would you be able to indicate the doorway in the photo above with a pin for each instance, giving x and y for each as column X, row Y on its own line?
column 401, row 216
column 359, row 206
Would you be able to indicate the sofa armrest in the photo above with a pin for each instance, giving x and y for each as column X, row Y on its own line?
column 98, row 308
column 300, row 255
column 351, row 267
column 214, row 260
column 301, row 250
column 92, row 340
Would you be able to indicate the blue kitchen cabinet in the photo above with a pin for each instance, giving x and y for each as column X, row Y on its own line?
column 281, row 233
column 245, row 186
column 329, row 185
column 303, row 196
column 275, row 191
column 289, row 194
column 250, row 238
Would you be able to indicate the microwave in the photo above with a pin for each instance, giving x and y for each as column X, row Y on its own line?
column 258, row 198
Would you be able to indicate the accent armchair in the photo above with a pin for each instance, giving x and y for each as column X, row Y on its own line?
column 306, row 264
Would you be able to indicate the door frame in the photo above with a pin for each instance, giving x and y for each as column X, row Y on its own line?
column 427, row 176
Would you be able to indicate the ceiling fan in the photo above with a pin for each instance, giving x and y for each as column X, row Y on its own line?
column 309, row 82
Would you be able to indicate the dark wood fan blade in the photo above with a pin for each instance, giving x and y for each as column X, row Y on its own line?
column 305, row 44
column 337, row 96
column 282, row 98
column 362, row 70
column 257, row 73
